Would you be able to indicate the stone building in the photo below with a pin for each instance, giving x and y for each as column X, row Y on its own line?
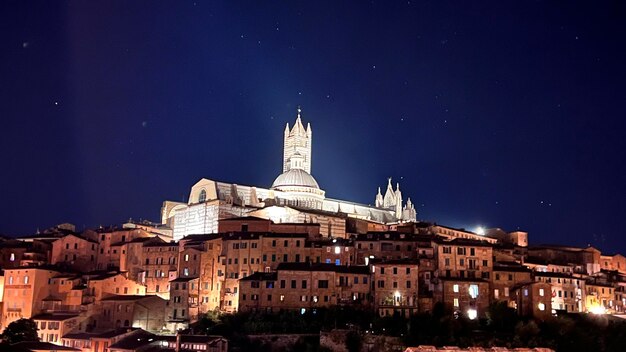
column 76, row 252
column 210, row 201
column 505, row 277
column 533, row 299
column 303, row 286
column 395, row 286
column 146, row 312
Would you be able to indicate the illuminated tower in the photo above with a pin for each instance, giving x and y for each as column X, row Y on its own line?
column 297, row 140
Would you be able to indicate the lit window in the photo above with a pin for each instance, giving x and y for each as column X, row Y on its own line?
column 496, row 293
column 455, row 288
column 456, row 302
column 337, row 250
column 12, row 257
column 541, row 293
column 541, row 306
column 282, row 298
column 26, row 279
column 472, row 314
column 186, row 257
column 473, row 291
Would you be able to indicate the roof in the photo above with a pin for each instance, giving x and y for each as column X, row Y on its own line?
column 115, row 332
column 465, row 242
column 191, row 338
column 128, row 297
column 103, row 276
column 79, row 237
column 202, row 237
column 519, row 269
column 255, row 235
column 183, row 279
column 463, row 279
column 261, row 276
column 53, row 316
column 553, row 274
column 246, row 218
column 353, row 269
column 42, row 346
column 136, row 340
column 295, row 178
column 161, row 244
column 405, row 261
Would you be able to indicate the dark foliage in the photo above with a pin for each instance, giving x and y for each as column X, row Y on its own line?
column 20, row 330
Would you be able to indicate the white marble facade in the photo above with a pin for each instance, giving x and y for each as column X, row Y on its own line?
column 211, row 200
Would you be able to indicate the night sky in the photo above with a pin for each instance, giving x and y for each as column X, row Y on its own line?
column 501, row 114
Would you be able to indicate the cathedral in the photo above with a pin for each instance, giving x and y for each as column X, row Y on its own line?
column 294, row 196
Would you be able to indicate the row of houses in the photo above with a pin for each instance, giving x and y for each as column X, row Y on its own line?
column 136, row 277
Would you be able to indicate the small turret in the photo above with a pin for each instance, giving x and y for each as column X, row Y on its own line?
column 379, row 199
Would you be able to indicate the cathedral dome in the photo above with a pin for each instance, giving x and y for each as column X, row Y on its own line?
column 295, row 178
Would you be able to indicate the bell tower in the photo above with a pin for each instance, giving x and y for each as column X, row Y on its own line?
column 297, row 141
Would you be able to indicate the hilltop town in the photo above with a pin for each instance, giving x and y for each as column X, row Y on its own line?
column 232, row 248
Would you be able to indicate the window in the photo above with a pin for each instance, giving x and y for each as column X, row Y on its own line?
column 303, row 298
column 381, row 283
column 293, row 283
column 455, row 288
column 541, row 306
column 286, row 243
column 282, row 283
column 26, row 279
column 447, row 261
column 496, row 293
column 408, row 270
column 322, row 284
column 303, row 283
column 269, row 284
column 506, row 292
column 201, row 197
column 395, row 271
column 408, row 284
column 473, row 291
column 541, row 293
column 456, row 302
column 447, row 250
column 472, row 251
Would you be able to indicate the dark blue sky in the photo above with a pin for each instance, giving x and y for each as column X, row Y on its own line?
column 502, row 114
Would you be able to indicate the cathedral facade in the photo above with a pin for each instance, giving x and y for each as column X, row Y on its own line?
column 294, row 190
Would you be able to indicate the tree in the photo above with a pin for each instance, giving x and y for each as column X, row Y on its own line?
column 20, row 330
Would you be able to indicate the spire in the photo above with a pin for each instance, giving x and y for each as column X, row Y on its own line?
column 390, row 196
column 379, row 199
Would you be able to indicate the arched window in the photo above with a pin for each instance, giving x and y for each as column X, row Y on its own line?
column 202, row 196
